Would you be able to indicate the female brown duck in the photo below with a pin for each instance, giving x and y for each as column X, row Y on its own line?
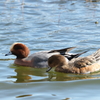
column 78, row 65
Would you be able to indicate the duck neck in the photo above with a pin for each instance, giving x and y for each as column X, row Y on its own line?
column 61, row 67
column 22, row 62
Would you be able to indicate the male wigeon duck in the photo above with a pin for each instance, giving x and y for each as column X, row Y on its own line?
column 80, row 65
column 39, row 59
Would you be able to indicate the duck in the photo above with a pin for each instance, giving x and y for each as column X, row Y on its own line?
column 79, row 65
column 38, row 59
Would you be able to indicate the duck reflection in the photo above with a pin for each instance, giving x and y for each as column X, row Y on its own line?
column 57, row 76
column 27, row 74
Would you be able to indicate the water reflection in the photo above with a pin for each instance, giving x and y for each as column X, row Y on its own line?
column 68, row 77
column 27, row 74
column 23, row 96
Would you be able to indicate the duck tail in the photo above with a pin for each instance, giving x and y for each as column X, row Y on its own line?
column 62, row 51
column 96, row 55
column 71, row 56
column 78, row 54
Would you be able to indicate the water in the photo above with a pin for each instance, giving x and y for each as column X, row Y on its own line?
column 45, row 25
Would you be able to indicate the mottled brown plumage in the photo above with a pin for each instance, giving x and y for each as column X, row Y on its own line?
column 77, row 65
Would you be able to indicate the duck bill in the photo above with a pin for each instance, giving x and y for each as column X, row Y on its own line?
column 9, row 53
column 49, row 68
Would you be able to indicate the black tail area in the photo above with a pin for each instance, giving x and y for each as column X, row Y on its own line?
column 71, row 56
column 62, row 51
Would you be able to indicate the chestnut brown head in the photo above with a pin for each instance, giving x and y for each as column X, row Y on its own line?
column 19, row 50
